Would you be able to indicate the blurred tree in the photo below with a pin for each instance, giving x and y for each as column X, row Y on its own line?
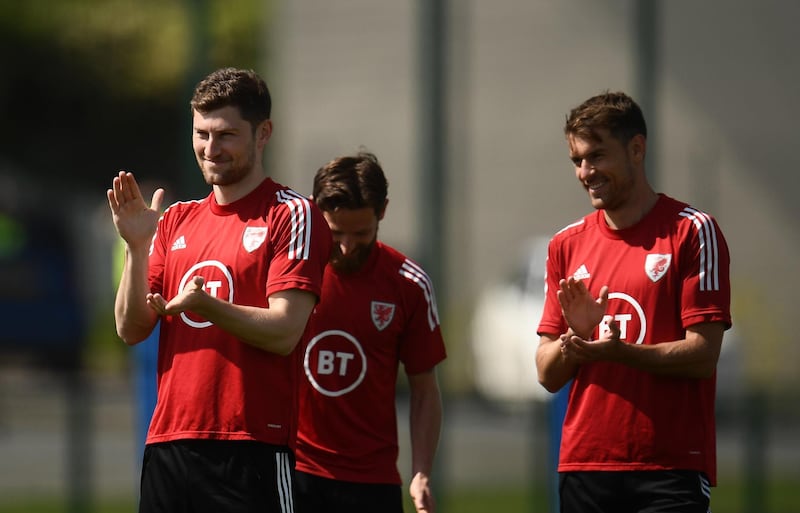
column 89, row 87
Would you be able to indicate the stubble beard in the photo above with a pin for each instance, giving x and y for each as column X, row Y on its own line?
column 353, row 262
column 619, row 195
column 235, row 173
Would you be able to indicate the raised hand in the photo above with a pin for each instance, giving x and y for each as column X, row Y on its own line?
column 582, row 312
column 134, row 220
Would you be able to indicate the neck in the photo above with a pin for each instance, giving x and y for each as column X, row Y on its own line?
column 631, row 213
column 226, row 194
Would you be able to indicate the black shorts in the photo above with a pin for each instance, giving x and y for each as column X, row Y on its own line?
column 316, row 494
column 217, row 475
column 683, row 491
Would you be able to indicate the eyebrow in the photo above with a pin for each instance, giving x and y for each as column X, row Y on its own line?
column 593, row 153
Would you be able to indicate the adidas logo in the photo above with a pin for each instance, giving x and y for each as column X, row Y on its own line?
column 180, row 243
column 582, row 273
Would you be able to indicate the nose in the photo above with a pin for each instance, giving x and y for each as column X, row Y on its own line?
column 347, row 245
column 211, row 147
column 584, row 170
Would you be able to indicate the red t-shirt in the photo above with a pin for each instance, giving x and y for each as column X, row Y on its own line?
column 365, row 324
column 666, row 273
column 212, row 385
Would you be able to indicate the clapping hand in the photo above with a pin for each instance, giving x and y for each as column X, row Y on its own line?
column 582, row 312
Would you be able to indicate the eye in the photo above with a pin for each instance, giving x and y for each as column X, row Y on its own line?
column 594, row 158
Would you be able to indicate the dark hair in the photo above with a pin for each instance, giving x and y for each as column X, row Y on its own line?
column 232, row 87
column 351, row 182
column 615, row 112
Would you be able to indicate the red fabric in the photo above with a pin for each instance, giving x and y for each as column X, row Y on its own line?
column 366, row 323
column 211, row 385
column 666, row 273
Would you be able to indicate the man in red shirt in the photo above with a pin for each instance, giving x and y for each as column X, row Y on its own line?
column 637, row 300
column 377, row 310
column 233, row 278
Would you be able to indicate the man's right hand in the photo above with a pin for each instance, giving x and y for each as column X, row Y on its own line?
column 134, row 220
column 582, row 312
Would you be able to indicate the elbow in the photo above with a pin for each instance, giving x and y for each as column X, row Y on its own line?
column 706, row 370
column 553, row 374
column 551, row 381
column 550, row 385
column 280, row 346
column 287, row 344
column 285, row 349
column 130, row 339
column 706, row 367
column 132, row 335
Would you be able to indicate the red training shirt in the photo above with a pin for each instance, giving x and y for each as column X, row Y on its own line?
column 212, row 385
column 364, row 325
column 666, row 273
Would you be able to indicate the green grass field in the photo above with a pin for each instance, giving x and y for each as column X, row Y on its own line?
column 729, row 497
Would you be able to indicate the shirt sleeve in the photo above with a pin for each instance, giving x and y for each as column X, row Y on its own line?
column 301, row 245
column 705, row 267
column 157, row 257
column 422, row 346
column 552, row 321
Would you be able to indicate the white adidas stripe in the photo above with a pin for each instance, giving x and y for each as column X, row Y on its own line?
column 705, row 486
column 284, row 472
column 300, row 207
column 709, row 250
column 413, row 272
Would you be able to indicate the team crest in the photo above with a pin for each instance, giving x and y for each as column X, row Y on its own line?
column 254, row 236
column 655, row 265
column 382, row 314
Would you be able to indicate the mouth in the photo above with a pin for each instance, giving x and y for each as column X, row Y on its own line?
column 595, row 185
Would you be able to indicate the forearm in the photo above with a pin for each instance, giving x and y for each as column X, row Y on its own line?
column 680, row 358
column 425, row 428
column 694, row 356
column 134, row 318
column 552, row 368
column 276, row 329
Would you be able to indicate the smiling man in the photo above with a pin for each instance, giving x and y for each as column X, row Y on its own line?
column 233, row 278
column 637, row 300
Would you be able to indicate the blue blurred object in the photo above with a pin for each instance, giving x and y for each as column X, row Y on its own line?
column 39, row 293
column 557, row 412
column 145, row 367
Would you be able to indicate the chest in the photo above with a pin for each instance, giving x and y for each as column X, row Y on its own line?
column 644, row 281
column 227, row 251
column 372, row 309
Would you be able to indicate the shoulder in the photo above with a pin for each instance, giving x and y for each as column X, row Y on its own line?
column 295, row 207
column 396, row 260
column 390, row 255
column 180, row 209
column 286, row 196
column 689, row 218
column 412, row 282
column 575, row 228
column 404, row 269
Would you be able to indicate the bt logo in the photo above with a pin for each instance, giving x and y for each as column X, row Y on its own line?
column 628, row 322
column 214, row 285
column 334, row 363
column 327, row 362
